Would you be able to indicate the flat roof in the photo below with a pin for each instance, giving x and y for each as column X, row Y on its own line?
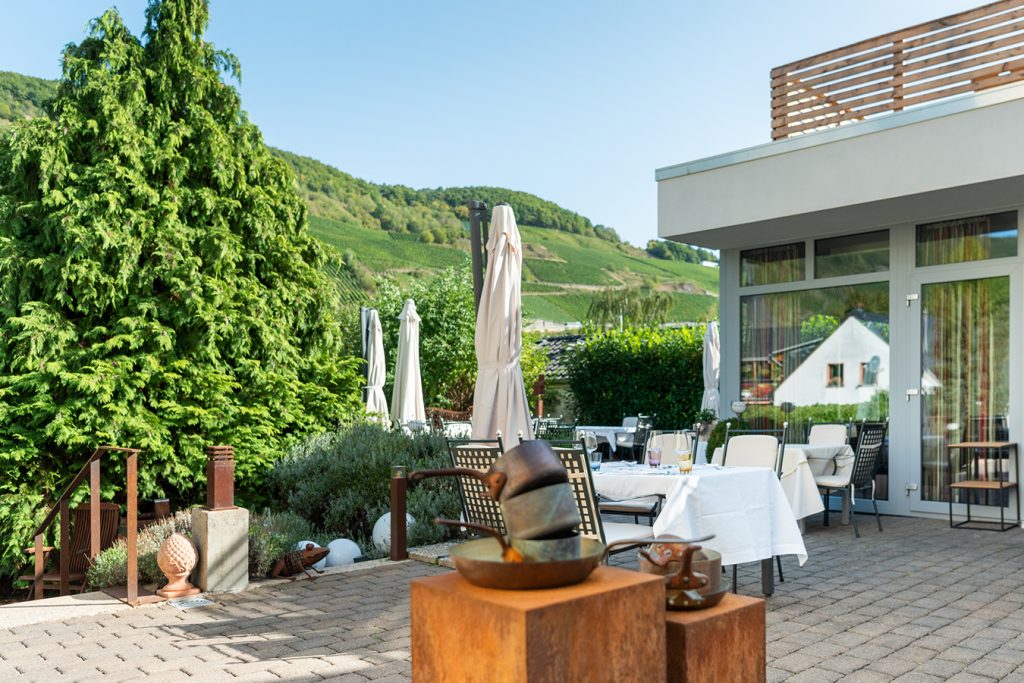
column 954, row 157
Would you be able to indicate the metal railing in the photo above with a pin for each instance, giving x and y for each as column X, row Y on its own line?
column 966, row 52
column 91, row 468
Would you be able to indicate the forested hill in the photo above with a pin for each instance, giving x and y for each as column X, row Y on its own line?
column 23, row 96
column 435, row 216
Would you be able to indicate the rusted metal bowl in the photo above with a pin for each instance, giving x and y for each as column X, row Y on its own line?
column 480, row 562
column 693, row 575
column 541, row 513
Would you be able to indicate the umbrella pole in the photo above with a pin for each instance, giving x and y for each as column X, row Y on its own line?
column 477, row 224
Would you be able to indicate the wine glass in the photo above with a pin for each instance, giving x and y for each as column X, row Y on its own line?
column 684, row 457
column 595, row 460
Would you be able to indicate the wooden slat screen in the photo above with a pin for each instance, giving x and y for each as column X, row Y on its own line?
column 962, row 53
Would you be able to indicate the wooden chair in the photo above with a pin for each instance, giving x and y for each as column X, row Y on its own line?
column 78, row 547
column 477, row 505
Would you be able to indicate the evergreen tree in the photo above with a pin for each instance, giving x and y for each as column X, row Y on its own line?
column 158, row 287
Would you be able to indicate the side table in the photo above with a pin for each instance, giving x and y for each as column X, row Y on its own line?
column 981, row 482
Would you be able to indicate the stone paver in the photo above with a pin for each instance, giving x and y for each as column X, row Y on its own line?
column 918, row 602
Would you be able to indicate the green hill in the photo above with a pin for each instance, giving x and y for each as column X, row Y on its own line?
column 403, row 233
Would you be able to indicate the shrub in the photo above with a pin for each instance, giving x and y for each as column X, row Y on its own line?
column 638, row 371
column 110, row 568
column 271, row 535
column 340, row 483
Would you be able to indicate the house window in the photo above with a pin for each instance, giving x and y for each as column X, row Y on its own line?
column 869, row 372
column 835, row 375
column 967, row 239
column 772, row 265
column 867, row 252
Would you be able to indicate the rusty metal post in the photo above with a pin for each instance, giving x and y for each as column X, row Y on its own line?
column 94, row 508
column 399, row 484
column 133, row 525
column 220, row 478
column 40, row 569
column 65, row 547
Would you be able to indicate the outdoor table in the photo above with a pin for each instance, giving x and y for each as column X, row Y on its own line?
column 605, row 433
column 744, row 507
column 797, row 481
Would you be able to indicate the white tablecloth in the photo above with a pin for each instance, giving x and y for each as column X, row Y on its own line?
column 797, row 481
column 605, row 433
column 745, row 507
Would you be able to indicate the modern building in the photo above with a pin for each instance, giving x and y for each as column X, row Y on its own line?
column 890, row 195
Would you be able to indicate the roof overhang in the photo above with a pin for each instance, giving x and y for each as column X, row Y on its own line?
column 961, row 156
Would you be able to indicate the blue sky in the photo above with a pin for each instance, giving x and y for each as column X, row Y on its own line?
column 576, row 101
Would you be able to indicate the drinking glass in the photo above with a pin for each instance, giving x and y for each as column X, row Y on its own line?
column 595, row 460
column 654, row 457
column 683, row 457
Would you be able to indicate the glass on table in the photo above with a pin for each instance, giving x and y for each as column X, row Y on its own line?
column 684, row 459
column 595, row 459
column 654, row 456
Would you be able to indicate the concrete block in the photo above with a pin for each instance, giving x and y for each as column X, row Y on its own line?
column 222, row 537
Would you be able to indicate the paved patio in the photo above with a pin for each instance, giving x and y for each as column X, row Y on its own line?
column 919, row 602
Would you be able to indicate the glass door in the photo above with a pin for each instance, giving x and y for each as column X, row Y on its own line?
column 964, row 351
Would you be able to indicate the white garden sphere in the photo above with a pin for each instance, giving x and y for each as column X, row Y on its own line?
column 343, row 551
column 301, row 545
column 382, row 531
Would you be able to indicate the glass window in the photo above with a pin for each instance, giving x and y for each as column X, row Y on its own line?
column 795, row 348
column 967, row 239
column 771, row 265
column 852, row 254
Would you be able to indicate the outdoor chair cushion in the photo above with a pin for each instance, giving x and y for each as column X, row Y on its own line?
column 620, row 531
column 832, row 481
column 752, row 450
column 631, row 506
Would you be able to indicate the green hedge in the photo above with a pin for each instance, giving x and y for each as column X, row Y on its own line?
column 638, row 371
column 340, row 483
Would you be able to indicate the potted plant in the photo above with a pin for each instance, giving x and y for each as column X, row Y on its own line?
column 705, row 419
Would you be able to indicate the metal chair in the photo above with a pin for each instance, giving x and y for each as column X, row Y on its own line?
column 478, row 454
column 574, row 459
column 862, row 475
column 756, row 448
column 632, row 444
column 827, row 433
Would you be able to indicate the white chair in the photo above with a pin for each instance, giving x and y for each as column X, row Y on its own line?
column 828, row 435
column 669, row 443
column 751, row 450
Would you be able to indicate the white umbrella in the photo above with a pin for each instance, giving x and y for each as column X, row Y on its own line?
column 711, row 398
column 499, row 401
column 407, row 396
column 376, row 404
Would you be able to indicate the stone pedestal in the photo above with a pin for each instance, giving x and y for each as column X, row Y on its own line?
column 723, row 643
column 222, row 537
column 608, row 628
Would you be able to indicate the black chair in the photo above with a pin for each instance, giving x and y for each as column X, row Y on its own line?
column 871, row 437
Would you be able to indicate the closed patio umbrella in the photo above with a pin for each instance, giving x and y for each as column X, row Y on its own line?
column 376, row 404
column 499, row 401
column 407, row 396
column 711, row 398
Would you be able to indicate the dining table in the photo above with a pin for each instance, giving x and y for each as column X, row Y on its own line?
column 797, row 477
column 745, row 508
column 605, row 433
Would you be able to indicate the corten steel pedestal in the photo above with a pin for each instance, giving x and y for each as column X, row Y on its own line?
column 611, row 627
column 722, row 643
column 220, row 477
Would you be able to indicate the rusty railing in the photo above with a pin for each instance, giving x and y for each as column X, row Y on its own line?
column 963, row 53
column 63, row 507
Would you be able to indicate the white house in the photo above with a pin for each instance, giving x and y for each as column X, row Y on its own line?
column 893, row 187
column 849, row 367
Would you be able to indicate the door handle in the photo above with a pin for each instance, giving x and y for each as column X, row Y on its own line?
column 912, row 392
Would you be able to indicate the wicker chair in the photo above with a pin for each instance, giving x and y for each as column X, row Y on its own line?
column 477, row 454
column 871, row 436
column 78, row 548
